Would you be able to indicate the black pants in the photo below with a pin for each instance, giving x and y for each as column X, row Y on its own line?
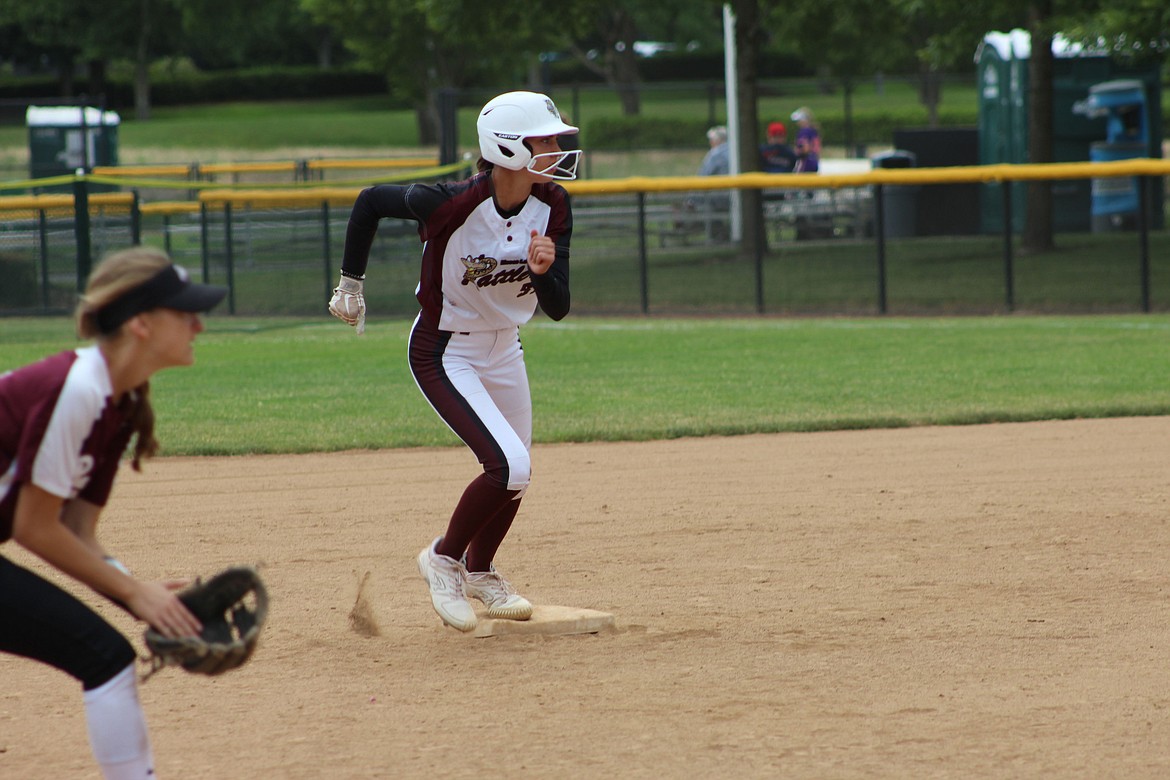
column 39, row 620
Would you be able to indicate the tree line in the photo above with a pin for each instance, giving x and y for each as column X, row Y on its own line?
column 423, row 48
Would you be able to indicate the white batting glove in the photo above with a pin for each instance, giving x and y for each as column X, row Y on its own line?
column 349, row 303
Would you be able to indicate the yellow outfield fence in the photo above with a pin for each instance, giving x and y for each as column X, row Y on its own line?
column 147, row 178
column 145, row 171
column 63, row 205
column 296, row 170
column 418, row 163
column 263, row 198
column 970, row 174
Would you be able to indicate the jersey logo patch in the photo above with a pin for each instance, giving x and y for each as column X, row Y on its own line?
column 477, row 267
column 481, row 271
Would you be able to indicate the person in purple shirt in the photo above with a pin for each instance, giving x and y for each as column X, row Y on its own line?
column 808, row 141
column 65, row 423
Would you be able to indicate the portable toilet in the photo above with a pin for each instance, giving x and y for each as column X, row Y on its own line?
column 62, row 139
column 1002, row 69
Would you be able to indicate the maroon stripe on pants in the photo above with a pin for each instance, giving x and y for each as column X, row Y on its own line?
column 426, row 349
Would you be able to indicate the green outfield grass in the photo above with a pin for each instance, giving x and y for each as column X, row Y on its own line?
column 277, row 386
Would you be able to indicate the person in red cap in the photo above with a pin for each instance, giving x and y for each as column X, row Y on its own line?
column 777, row 156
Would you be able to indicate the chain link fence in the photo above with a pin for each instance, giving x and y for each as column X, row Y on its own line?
column 640, row 247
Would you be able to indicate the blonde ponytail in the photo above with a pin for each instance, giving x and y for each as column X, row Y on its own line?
column 116, row 274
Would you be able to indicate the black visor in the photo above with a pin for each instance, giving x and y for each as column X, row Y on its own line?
column 170, row 288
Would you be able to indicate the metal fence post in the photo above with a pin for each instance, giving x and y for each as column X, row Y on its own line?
column 643, row 270
column 1143, row 225
column 229, row 256
column 43, row 225
column 761, row 244
column 576, row 120
column 1009, row 284
column 81, row 228
column 448, row 126
column 326, row 249
column 135, row 220
column 205, row 242
column 879, row 230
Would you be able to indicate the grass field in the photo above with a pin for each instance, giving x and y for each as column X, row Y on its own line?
column 280, row 385
column 361, row 126
column 284, row 385
column 367, row 122
column 333, row 127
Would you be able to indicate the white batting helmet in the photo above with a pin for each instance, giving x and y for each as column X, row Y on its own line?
column 508, row 119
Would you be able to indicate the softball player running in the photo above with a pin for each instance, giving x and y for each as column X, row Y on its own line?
column 494, row 246
column 64, row 424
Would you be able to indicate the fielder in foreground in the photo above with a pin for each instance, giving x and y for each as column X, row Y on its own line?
column 65, row 423
column 494, row 246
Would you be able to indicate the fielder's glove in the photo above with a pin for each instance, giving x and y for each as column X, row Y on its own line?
column 232, row 607
column 348, row 303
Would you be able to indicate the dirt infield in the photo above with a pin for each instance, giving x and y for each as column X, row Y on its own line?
column 986, row 601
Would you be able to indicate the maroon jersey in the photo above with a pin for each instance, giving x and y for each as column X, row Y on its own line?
column 59, row 430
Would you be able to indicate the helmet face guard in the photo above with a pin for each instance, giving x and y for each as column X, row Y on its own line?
column 561, row 166
column 508, row 119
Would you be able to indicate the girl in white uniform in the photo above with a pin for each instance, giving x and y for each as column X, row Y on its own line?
column 494, row 246
column 65, row 423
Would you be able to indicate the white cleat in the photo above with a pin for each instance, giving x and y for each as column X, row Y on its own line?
column 497, row 594
column 445, row 577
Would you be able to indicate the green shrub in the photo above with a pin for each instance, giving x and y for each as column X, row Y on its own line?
column 626, row 133
column 186, row 88
column 648, row 132
column 266, row 84
column 879, row 127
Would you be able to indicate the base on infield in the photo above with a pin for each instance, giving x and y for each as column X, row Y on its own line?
column 548, row 620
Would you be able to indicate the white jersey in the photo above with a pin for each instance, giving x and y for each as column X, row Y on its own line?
column 59, row 430
column 474, row 273
column 485, row 269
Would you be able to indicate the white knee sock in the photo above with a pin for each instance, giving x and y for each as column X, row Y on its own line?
column 117, row 729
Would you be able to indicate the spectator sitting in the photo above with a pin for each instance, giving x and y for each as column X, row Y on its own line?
column 777, row 156
column 717, row 161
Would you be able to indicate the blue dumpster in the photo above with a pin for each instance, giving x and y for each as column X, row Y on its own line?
column 1127, row 135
